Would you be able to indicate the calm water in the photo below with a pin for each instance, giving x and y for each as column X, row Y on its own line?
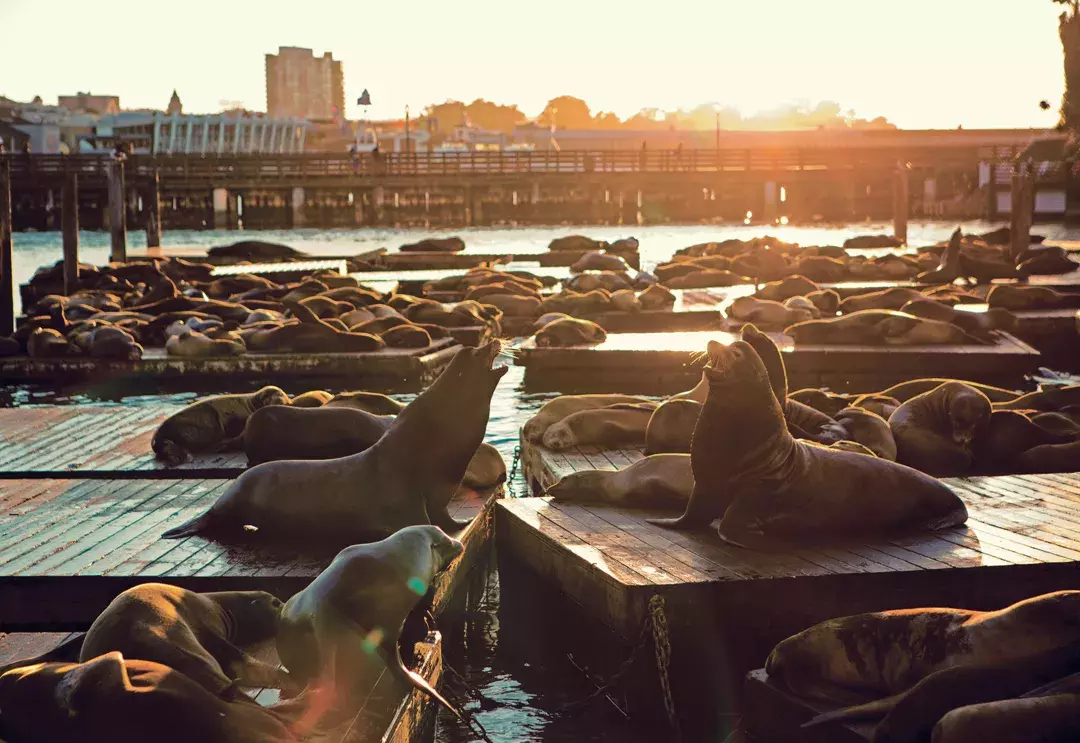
column 515, row 659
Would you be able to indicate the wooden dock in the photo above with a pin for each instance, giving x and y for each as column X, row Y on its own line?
column 68, row 546
column 672, row 362
column 727, row 606
column 99, row 441
column 282, row 272
column 391, row 715
column 386, row 369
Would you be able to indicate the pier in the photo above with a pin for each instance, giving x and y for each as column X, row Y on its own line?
column 727, row 607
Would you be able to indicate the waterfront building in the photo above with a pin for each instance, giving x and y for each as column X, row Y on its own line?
column 89, row 103
column 301, row 85
column 218, row 134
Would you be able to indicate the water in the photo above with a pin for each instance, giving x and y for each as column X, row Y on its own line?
column 516, row 659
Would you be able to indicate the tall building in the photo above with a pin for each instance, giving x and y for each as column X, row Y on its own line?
column 175, row 106
column 300, row 84
column 89, row 103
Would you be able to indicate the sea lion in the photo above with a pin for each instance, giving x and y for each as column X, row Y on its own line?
column 596, row 261
column 514, row 306
column 598, row 300
column 935, row 431
column 671, row 427
column 375, row 403
column 904, row 391
column 767, row 313
column 878, row 327
column 866, row 428
column 435, row 245
column 882, row 405
column 192, row 344
column 656, row 481
column 1007, row 436
column 486, row 469
column 826, row 300
column 909, row 717
column 569, row 331
column 612, row 426
column 9, row 346
column 1051, row 458
column 46, row 343
column 625, row 300
column 202, row 635
column 707, row 278
column 864, row 242
column 1049, row 718
column 771, row 488
column 560, row 407
column 868, row 656
column 312, row 399
column 1022, row 297
column 406, row 336
column 111, row 699
column 886, row 299
column 979, row 324
column 656, row 297
column 787, row 287
column 111, row 342
column 823, row 401
column 254, row 250
column 306, row 337
column 949, row 265
column 341, row 632
column 1045, row 400
column 576, row 242
column 286, row 432
column 210, row 425
column 408, row 477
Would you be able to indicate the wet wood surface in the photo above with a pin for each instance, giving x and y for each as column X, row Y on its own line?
column 68, row 546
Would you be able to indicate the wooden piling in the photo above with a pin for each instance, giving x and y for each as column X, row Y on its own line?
column 7, row 282
column 1023, row 207
column 901, row 202
column 117, row 212
column 153, row 211
column 69, row 225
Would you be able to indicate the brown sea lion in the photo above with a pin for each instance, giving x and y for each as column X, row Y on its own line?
column 560, row 407
column 111, row 699
column 827, row 301
column 1052, row 458
column 341, row 633
column 111, row 342
column 787, row 287
column 596, row 261
column 869, row 656
column 610, row 427
column 935, row 431
column 770, row 488
column 1046, row 718
column 707, row 278
column 882, row 405
column 210, row 425
column 515, row 306
column 452, row 244
column 312, row 338
column 656, row 481
column 766, row 313
column 904, row 391
column 408, row 477
column 625, row 300
column 1007, row 436
column 312, row 399
column 192, row 344
column 592, row 302
column 1046, row 400
column 282, row 432
column 876, row 328
column 569, row 331
column 866, row 428
column 978, row 324
column 1024, row 297
column 46, row 343
column 671, row 427
column 486, row 469
column 375, row 403
column 202, row 635
column 948, row 269
column 406, row 336
column 823, row 401
column 656, row 297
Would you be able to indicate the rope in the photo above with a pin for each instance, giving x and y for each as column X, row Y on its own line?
column 655, row 628
column 475, row 726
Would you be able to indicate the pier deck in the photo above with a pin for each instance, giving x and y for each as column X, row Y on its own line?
column 670, row 362
column 728, row 606
column 68, row 546
column 388, row 368
column 77, row 441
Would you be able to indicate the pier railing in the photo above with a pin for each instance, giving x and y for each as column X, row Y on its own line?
column 213, row 170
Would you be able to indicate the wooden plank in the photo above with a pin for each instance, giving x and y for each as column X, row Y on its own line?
column 90, row 538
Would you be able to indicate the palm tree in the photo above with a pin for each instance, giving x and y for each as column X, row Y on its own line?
column 1069, row 31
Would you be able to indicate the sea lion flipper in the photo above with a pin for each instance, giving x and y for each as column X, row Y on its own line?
column 442, row 519
column 197, row 525
column 397, row 668
column 874, row 710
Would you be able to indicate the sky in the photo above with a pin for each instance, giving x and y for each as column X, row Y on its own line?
column 919, row 63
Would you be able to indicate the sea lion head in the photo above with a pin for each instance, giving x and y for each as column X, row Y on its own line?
column 476, row 364
column 444, row 548
column 969, row 410
column 896, row 324
column 583, row 486
column 249, row 616
column 734, row 364
column 269, row 396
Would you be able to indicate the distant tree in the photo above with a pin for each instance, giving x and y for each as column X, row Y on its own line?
column 447, row 116
column 492, row 116
column 567, row 112
column 606, row 120
column 1069, row 31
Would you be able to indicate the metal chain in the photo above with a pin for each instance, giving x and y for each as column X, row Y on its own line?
column 511, row 488
column 662, row 646
column 474, row 725
column 654, row 627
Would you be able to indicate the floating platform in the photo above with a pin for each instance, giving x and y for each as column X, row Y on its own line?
column 386, row 369
column 282, row 272
column 672, row 362
column 1054, row 333
column 772, row 714
column 76, row 441
column 727, row 607
column 412, row 282
column 392, row 714
column 67, row 547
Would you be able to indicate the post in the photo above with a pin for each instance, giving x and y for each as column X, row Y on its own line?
column 901, row 202
column 299, row 218
column 378, row 194
column 117, row 212
column 7, row 281
column 153, row 211
column 69, row 225
column 771, row 193
column 467, row 203
column 221, row 208
column 1023, row 208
